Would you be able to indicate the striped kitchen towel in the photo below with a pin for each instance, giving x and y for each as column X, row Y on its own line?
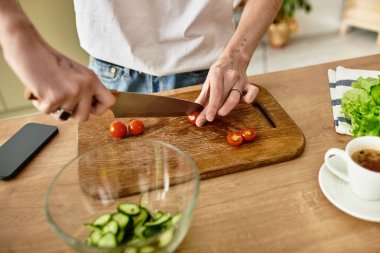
column 340, row 81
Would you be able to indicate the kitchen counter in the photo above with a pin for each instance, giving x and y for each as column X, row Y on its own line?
column 276, row 208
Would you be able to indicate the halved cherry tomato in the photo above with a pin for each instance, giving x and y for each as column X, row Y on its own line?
column 193, row 117
column 136, row 127
column 234, row 138
column 118, row 129
column 249, row 134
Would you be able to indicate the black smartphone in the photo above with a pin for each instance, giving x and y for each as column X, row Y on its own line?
column 16, row 152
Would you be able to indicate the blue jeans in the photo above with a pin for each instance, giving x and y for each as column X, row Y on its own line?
column 119, row 78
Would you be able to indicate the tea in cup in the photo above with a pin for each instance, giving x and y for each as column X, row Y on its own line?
column 362, row 159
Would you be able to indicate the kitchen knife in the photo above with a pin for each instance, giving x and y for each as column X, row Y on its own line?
column 146, row 105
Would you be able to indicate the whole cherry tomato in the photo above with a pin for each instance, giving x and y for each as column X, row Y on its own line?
column 118, row 129
column 193, row 117
column 136, row 127
column 234, row 138
column 249, row 134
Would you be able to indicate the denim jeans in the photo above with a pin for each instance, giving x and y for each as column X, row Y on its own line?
column 119, row 78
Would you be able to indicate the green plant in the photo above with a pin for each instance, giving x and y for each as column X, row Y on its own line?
column 289, row 7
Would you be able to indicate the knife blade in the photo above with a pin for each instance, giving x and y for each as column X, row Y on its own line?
column 130, row 104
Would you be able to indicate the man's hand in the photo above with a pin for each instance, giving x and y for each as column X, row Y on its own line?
column 56, row 81
column 226, row 85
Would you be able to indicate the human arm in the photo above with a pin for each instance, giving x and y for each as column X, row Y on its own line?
column 227, row 76
column 54, row 79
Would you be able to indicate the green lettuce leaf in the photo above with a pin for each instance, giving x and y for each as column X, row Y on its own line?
column 362, row 106
column 365, row 84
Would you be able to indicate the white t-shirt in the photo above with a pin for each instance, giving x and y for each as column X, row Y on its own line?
column 157, row 37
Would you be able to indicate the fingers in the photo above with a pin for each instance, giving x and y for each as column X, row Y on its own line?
column 201, row 119
column 77, row 99
column 231, row 102
column 103, row 100
column 203, row 96
column 216, row 95
column 251, row 92
column 83, row 109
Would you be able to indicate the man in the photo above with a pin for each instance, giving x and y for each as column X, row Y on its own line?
column 163, row 42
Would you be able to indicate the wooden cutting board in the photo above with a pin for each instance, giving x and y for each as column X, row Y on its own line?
column 278, row 137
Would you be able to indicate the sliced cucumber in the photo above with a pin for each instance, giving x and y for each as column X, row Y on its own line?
column 121, row 219
column 151, row 231
column 111, row 227
column 102, row 220
column 139, row 231
column 107, row 241
column 142, row 217
column 176, row 218
column 160, row 221
column 129, row 209
column 158, row 215
column 120, row 236
column 165, row 238
column 147, row 249
column 132, row 224
column 93, row 227
column 95, row 237
column 130, row 250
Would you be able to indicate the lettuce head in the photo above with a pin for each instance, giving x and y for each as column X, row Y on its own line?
column 362, row 106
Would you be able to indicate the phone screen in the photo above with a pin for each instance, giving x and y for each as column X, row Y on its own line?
column 16, row 152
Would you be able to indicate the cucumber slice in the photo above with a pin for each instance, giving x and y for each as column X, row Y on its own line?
column 107, row 241
column 111, row 227
column 158, row 215
column 139, row 231
column 135, row 240
column 132, row 224
column 165, row 238
column 163, row 219
column 147, row 249
column 129, row 209
column 142, row 217
column 130, row 250
column 121, row 219
column 89, row 241
column 176, row 218
column 120, row 236
column 95, row 237
column 93, row 227
column 102, row 220
column 151, row 231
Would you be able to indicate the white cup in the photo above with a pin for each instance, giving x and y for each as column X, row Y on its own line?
column 364, row 183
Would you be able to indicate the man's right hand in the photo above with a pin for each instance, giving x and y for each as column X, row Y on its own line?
column 55, row 80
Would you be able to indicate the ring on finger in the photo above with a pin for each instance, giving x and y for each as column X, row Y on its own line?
column 63, row 114
column 241, row 93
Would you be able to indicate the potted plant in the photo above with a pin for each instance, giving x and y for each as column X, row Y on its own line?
column 285, row 24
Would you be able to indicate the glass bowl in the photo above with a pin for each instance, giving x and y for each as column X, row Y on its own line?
column 152, row 174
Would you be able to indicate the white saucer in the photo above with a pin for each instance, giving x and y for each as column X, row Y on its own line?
column 339, row 193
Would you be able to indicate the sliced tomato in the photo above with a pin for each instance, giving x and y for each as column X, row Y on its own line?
column 234, row 138
column 136, row 127
column 249, row 134
column 118, row 129
column 193, row 117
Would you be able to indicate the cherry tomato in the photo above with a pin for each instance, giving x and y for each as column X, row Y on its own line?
column 193, row 117
column 118, row 129
column 249, row 134
column 136, row 127
column 234, row 138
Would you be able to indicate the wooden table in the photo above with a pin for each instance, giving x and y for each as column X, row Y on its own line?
column 277, row 208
